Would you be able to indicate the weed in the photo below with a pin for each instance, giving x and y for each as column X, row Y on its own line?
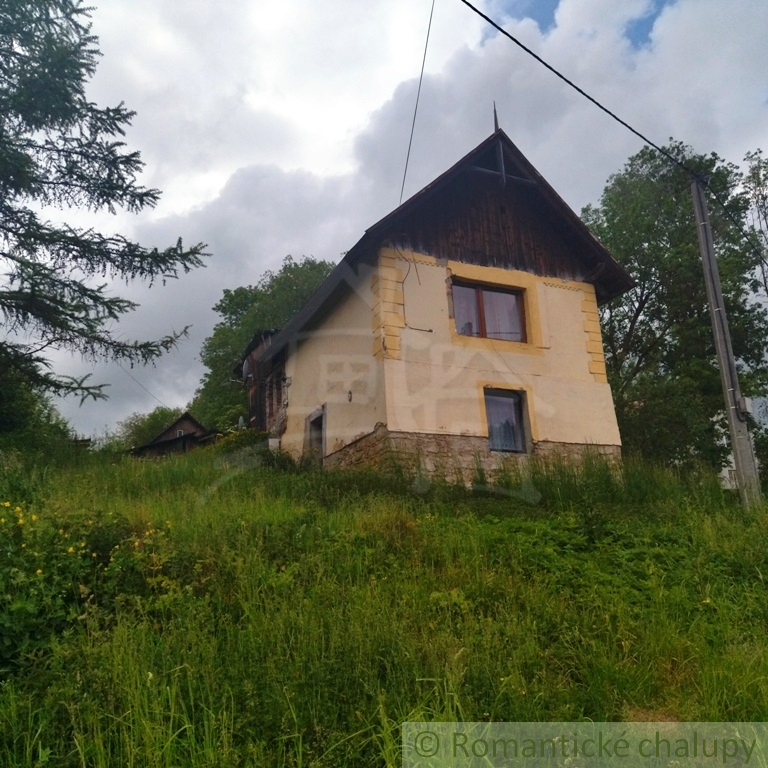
column 215, row 610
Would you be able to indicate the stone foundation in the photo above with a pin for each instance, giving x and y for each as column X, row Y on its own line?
column 576, row 451
column 454, row 457
column 371, row 450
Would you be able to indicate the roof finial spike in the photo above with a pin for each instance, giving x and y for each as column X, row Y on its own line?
column 495, row 117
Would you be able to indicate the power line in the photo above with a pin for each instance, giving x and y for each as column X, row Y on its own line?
column 128, row 373
column 756, row 247
column 576, row 87
column 418, row 94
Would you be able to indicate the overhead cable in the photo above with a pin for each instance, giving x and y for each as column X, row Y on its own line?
column 757, row 248
column 418, row 94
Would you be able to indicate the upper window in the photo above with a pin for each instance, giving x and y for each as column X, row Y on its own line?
column 489, row 313
column 506, row 426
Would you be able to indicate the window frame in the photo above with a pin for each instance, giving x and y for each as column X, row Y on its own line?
column 479, row 304
column 521, row 425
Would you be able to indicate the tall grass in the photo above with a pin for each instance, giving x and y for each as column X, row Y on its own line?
column 288, row 618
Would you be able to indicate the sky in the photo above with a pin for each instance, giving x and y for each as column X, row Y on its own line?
column 283, row 128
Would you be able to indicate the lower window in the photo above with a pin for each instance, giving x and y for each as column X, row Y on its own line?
column 506, row 425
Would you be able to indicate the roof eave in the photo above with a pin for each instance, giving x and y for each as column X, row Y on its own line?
column 620, row 281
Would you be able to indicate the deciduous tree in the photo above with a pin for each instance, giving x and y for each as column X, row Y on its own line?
column 756, row 189
column 269, row 304
column 27, row 418
column 141, row 428
column 658, row 339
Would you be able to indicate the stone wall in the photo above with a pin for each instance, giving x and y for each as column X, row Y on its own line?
column 371, row 450
column 576, row 451
column 454, row 457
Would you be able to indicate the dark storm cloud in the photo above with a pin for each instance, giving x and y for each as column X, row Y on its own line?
column 226, row 148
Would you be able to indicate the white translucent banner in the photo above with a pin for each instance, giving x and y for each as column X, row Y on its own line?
column 585, row 745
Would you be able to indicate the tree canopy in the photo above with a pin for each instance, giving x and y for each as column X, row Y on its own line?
column 756, row 189
column 58, row 150
column 141, row 428
column 657, row 337
column 269, row 304
column 28, row 421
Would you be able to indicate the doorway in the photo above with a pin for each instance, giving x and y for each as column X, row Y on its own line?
column 315, row 436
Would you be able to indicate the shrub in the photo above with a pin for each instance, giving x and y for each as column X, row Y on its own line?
column 57, row 567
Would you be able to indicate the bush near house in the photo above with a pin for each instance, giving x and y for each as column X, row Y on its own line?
column 211, row 610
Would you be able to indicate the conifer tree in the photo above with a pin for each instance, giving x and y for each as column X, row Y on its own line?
column 60, row 151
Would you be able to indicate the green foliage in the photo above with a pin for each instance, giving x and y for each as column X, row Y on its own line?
column 242, row 439
column 36, row 584
column 21, row 407
column 141, row 428
column 657, row 338
column 756, row 189
column 29, row 426
column 269, row 304
column 58, row 149
column 60, row 567
column 20, row 478
column 25, row 408
column 200, row 611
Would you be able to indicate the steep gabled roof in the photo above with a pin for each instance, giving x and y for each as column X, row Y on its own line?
column 186, row 416
column 496, row 161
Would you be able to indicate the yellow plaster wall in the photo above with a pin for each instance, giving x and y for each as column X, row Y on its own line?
column 434, row 377
column 388, row 313
column 330, row 362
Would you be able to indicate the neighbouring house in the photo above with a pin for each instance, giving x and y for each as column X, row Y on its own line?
column 461, row 330
column 184, row 434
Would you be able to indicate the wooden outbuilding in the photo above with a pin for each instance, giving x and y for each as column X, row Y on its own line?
column 183, row 435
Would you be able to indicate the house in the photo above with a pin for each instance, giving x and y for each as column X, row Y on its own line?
column 460, row 329
column 184, row 434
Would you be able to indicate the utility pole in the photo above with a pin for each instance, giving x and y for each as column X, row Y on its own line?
column 735, row 405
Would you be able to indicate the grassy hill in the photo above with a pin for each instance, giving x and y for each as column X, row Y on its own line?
column 209, row 610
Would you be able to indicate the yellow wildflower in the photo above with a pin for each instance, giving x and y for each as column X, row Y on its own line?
column 39, row 572
column 71, row 550
column 21, row 521
column 17, row 510
column 7, row 504
column 34, row 517
column 2, row 519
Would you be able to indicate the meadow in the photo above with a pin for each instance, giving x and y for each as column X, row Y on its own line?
column 227, row 609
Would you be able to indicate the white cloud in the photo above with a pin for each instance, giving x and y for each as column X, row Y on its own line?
column 284, row 129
